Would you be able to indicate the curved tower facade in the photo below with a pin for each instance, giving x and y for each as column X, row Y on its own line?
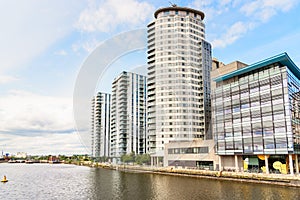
column 179, row 64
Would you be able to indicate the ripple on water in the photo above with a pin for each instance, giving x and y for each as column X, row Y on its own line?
column 45, row 181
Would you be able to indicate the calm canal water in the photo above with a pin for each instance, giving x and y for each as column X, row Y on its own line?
column 44, row 181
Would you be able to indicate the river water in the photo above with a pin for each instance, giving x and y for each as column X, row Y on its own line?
column 58, row 181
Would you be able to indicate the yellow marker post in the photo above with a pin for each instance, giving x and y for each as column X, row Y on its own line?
column 4, row 180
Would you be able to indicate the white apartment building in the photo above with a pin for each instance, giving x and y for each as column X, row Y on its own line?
column 128, row 115
column 100, row 125
column 179, row 64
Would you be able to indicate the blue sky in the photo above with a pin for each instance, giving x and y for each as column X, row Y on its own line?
column 44, row 44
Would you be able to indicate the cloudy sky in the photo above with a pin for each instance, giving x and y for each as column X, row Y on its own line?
column 44, row 44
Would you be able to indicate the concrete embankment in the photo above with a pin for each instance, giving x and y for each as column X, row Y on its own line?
column 260, row 178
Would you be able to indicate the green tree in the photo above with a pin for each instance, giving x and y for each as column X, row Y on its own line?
column 62, row 157
column 103, row 159
column 142, row 159
column 138, row 159
column 126, row 158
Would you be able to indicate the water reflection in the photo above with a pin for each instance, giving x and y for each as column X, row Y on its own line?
column 43, row 181
column 160, row 187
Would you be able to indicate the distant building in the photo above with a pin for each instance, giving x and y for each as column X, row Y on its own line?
column 53, row 159
column 219, row 69
column 100, row 125
column 179, row 65
column 128, row 115
column 21, row 155
column 256, row 115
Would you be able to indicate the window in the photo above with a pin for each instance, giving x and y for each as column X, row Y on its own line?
column 203, row 149
column 280, row 130
column 238, row 145
column 281, row 143
column 269, row 143
column 248, row 148
column 257, row 144
column 255, row 103
column 245, row 105
column 253, row 90
column 236, row 109
column 229, row 145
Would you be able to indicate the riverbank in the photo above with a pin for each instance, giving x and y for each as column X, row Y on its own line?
column 259, row 178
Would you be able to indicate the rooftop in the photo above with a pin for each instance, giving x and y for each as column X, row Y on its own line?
column 175, row 8
column 282, row 58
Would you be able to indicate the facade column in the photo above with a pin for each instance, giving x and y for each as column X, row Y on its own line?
column 220, row 164
column 297, row 163
column 151, row 161
column 236, row 163
column 267, row 164
column 291, row 164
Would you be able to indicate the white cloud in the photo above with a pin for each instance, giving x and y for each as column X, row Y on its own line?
column 50, row 143
column 202, row 4
column 4, row 79
column 90, row 44
column 225, row 2
column 27, row 113
column 86, row 45
column 38, row 124
column 263, row 10
column 211, row 8
column 228, row 28
column 109, row 14
column 234, row 32
column 29, row 27
column 60, row 53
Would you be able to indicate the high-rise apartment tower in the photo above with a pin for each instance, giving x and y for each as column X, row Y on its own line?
column 179, row 64
column 128, row 115
column 100, row 125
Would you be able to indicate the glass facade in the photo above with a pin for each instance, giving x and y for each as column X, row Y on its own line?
column 257, row 112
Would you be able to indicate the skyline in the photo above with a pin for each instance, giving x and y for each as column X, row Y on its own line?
column 44, row 47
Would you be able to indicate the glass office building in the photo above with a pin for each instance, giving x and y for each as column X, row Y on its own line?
column 256, row 113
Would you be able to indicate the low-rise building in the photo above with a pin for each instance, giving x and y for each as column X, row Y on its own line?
column 198, row 154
